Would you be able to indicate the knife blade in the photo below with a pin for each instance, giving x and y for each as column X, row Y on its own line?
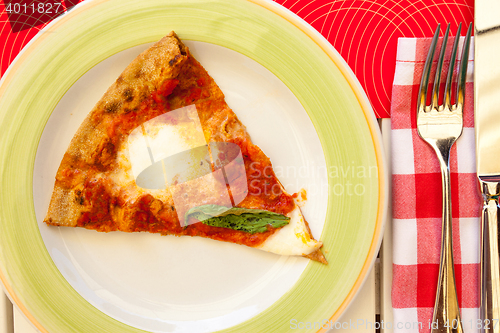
column 487, row 130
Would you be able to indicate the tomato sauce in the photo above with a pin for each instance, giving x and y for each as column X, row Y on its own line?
column 156, row 104
column 99, row 215
column 228, row 235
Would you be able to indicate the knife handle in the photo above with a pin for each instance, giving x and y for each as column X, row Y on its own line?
column 490, row 255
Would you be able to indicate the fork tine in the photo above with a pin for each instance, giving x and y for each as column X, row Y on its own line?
column 437, row 80
column 451, row 69
column 462, row 75
column 424, row 81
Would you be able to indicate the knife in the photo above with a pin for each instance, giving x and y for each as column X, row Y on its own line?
column 487, row 128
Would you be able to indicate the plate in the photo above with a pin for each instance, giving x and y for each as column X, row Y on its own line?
column 113, row 275
column 272, row 66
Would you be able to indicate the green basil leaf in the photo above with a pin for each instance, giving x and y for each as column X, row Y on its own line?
column 236, row 218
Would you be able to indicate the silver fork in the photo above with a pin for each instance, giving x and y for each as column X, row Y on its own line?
column 440, row 126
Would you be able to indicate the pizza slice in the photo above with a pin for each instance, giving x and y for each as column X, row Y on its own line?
column 162, row 152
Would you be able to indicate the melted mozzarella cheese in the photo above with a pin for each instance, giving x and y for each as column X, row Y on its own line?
column 292, row 239
column 124, row 178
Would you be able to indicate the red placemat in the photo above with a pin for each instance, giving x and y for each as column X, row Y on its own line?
column 364, row 32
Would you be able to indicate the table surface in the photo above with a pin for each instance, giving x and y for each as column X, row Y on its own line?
column 379, row 18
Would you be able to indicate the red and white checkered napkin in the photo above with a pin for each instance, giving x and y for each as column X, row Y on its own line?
column 417, row 203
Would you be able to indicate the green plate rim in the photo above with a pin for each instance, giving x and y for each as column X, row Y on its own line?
column 316, row 64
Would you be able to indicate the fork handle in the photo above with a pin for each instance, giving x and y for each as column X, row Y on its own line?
column 490, row 266
column 446, row 316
